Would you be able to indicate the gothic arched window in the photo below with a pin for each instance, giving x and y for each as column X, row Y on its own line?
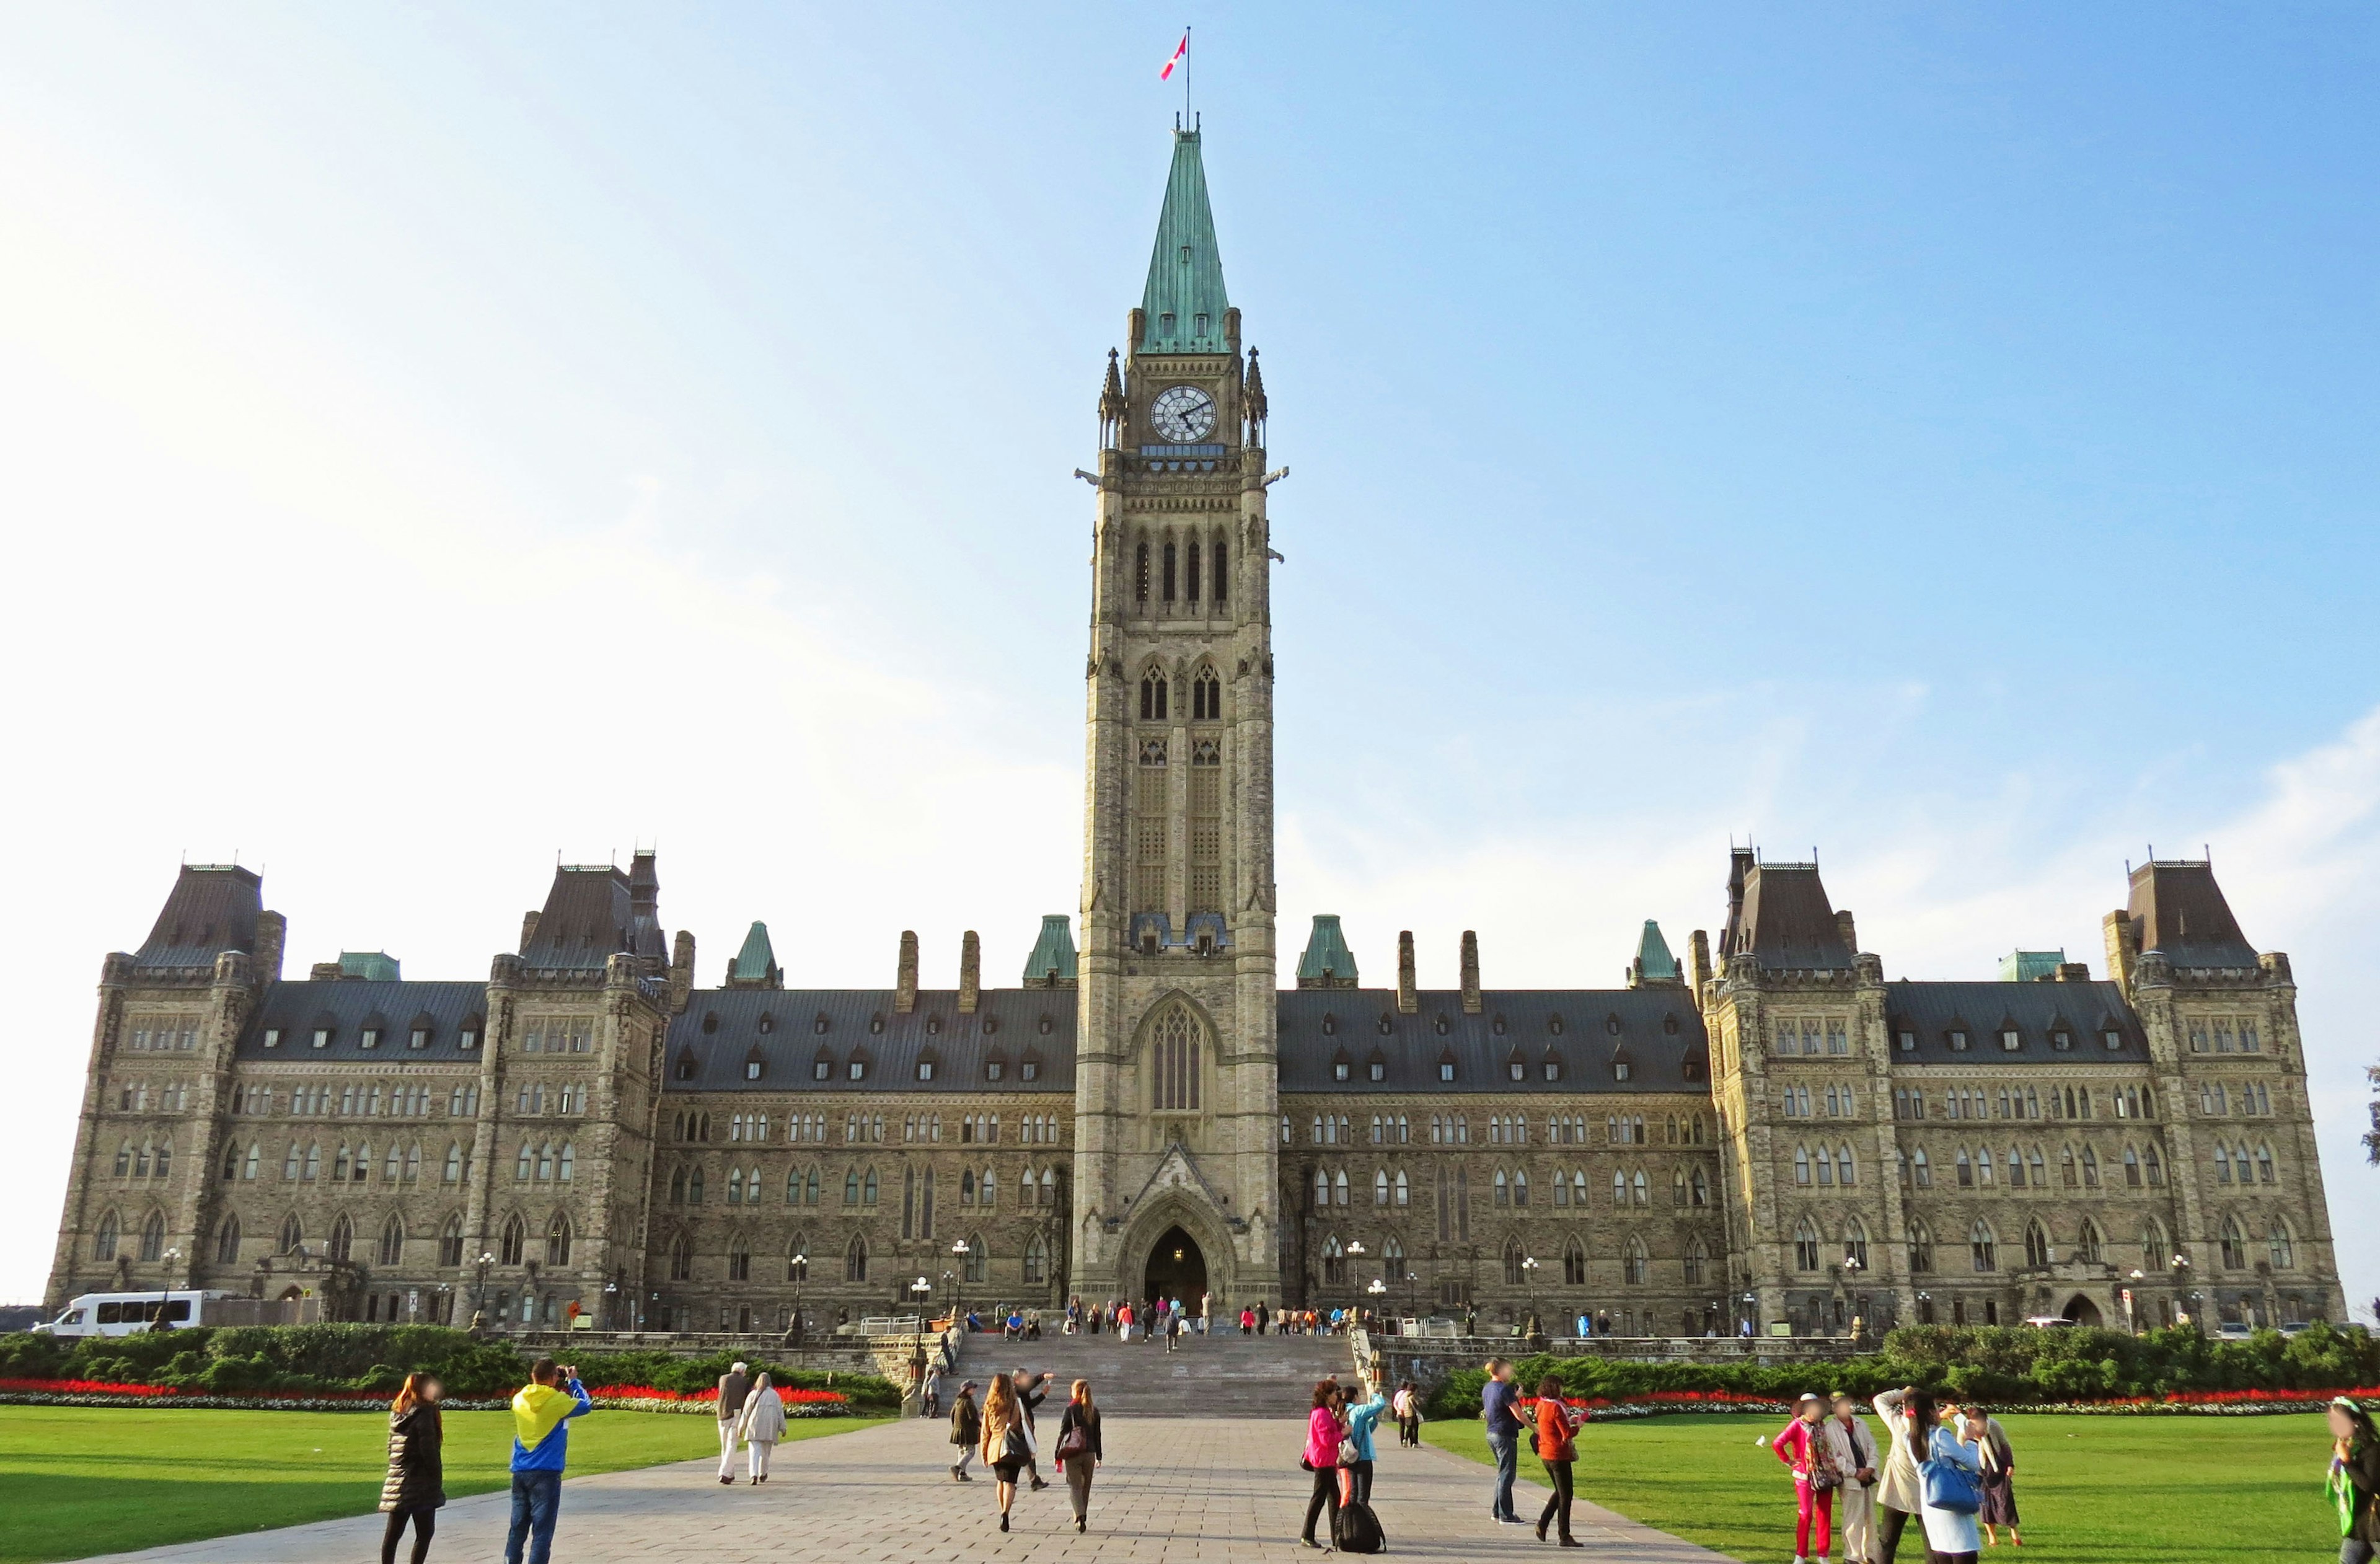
column 1190, row 575
column 1573, row 1265
column 1140, row 572
column 681, row 1259
column 1514, row 1272
column 512, row 1249
column 2036, row 1246
column 854, row 1259
column 392, row 1239
column 2276, row 1240
column 2089, row 1247
column 293, row 1234
column 1636, row 1265
column 2233, row 1245
column 1982, row 1252
column 1168, row 571
column 1175, row 1058
column 227, row 1241
column 450, row 1243
column 1207, row 697
column 1805, row 1246
column 1152, row 697
column 557, row 1240
column 343, row 1239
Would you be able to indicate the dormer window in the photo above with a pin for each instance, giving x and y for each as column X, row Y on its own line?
column 992, row 1069
column 820, row 1024
column 1387, row 1026
column 751, row 1068
column 1496, row 1025
column 1957, row 1042
column 822, row 1069
column 858, row 1068
column 990, row 1025
column 2011, row 1040
column 1553, row 1069
column 1030, row 1070
column 1908, row 1042
column 1621, row 1069
column 925, row 1070
column 686, row 1065
column 1045, row 1027
column 272, row 1036
column 1329, row 1024
column 768, row 1024
column 1377, row 1066
column 2114, row 1039
column 419, row 1039
column 1446, row 1066
column 1338, row 1069
column 1611, row 1024
column 1669, row 1023
column 2062, row 1041
column 933, row 1026
column 710, row 1022
column 468, row 1038
column 1554, row 1023
column 1515, row 1068
column 875, row 1023
column 1200, row 330
column 371, row 1038
column 322, row 1036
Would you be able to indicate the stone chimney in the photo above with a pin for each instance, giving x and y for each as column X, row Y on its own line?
column 970, row 971
column 681, row 972
column 272, row 937
column 1698, row 961
column 2073, row 972
column 2123, row 941
column 1847, row 929
column 528, row 929
column 1470, row 972
column 904, row 983
column 1408, row 1000
column 325, row 972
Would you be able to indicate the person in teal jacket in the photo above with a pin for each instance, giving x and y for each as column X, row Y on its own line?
column 541, row 1415
column 1361, row 1419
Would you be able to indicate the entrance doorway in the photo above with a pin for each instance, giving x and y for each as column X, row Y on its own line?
column 2081, row 1311
column 1177, row 1269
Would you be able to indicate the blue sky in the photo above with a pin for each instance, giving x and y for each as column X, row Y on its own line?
column 1941, row 436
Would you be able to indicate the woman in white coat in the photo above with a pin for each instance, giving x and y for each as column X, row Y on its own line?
column 762, row 1424
column 1898, row 1496
column 1950, row 1534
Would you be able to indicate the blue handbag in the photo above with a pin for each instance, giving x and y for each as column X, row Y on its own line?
column 1950, row 1486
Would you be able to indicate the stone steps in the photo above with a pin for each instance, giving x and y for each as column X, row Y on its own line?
column 1205, row 1376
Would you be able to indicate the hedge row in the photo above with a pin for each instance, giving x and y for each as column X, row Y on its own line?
column 1997, row 1365
column 245, row 1360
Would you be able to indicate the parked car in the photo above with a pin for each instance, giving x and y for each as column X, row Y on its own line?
column 125, row 1314
column 2293, row 1328
column 2234, row 1330
column 2049, row 1322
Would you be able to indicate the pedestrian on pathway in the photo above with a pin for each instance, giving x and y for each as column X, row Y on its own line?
column 1173, row 1330
column 1123, row 1321
column 2352, row 1480
column 1802, row 1447
column 966, row 1427
column 1901, row 1493
column 1998, row 1509
column 1408, row 1411
column 1557, row 1426
column 1324, row 1429
column 1032, row 1389
column 541, row 1412
column 1264, row 1317
column 734, row 1389
column 1361, row 1419
column 416, row 1485
column 1007, row 1444
column 1078, row 1448
column 1852, row 1449
column 932, row 1398
column 1950, row 1534
column 1499, row 1412
column 762, row 1424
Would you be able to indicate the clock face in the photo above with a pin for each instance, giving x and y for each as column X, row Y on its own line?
column 1182, row 413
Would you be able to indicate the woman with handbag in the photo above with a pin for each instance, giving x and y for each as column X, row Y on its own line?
column 1802, row 1446
column 1078, row 1448
column 1324, row 1430
column 1007, row 1444
column 1952, row 1478
column 1557, row 1448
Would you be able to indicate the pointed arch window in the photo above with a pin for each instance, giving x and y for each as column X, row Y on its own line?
column 854, row 1259
column 797, row 1258
column 514, row 1247
column 1152, row 697
column 557, row 1240
column 293, row 1234
column 1207, row 697
column 1168, row 584
column 681, row 1258
column 450, row 1243
column 1514, row 1272
column 1190, row 561
column 2233, row 1245
column 392, row 1241
column 104, row 1241
column 1036, row 1261
column 2277, row 1245
column 1921, row 1248
column 1334, row 1262
column 1697, row 1262
column 1217, row 554
column 2036, row 1246
column 978, row 1265
column 1802, row 1164
column 342, row 1242
column 739, row 1259
column 1855, row 1242
column 1635, row 1263
column 1140, row 571
column 227, row 1241
column 1175, row 1053
column 1805, row 1245
column 1982, row 1250
column 2090, row 1246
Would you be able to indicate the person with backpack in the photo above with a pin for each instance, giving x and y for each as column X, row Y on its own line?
column 1361, row 1419
column 966, row 1427
column 1952, row 1475
column 1324, row 1430
column 2352, row 1480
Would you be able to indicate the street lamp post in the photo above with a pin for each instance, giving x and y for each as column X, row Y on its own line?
column 2131, row 1302
column 1412, row 1294
column 800, row 1265
column 1376, row 1289
column 1355, row 1251
column 958, row 1297
column 479, row 1291
column 2180, row 1266
column 1751, row 1318
column 165, row 1289
column 1529, row 1275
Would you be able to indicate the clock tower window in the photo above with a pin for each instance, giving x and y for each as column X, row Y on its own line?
column 1190, row 579
column 1148, row 828
column 1168, row 571
column 1219, row 593
column 1152, row 700
column 1140, row 572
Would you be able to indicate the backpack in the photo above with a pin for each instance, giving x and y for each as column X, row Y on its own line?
column 1354, row 1528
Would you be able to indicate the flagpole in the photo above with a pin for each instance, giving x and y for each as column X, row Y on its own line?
column 1185, row 77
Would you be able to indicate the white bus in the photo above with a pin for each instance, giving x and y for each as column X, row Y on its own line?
column 125, row 1314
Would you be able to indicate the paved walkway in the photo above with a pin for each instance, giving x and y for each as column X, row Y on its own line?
column 1177, row 1489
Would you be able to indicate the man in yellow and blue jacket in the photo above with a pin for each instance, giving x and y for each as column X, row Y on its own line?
column 542, row 1414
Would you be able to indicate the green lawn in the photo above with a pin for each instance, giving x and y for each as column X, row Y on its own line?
column 81, row 1480
column 2092, row 1490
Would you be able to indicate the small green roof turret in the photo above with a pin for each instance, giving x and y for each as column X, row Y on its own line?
column 373, row 967
column 1182, row 306
column 1051, row 965
column 755, row 965
column 1654, row 963
column 1326, row 963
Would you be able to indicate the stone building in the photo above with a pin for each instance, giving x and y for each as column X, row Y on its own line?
column 1768, row 1134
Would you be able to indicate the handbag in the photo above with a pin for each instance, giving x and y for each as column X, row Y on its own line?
column 1013, row 1446
column 1074, row 1441
column 1950, row 1486
column 1823, row 1474
column 1347, row 1456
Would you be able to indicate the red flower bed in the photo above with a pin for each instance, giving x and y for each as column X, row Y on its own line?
column 83, row 1387
column 790, row 1395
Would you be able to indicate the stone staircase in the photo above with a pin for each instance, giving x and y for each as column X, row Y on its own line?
column 1219, row 1376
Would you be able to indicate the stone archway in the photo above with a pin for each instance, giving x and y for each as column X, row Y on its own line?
column 1177, row 1267
column 2083, row 1311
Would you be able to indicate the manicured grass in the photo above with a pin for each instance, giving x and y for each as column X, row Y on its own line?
column 75, row 1480
column 2105, row 1490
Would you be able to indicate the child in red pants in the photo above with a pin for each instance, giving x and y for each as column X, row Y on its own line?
column 1804, row 1452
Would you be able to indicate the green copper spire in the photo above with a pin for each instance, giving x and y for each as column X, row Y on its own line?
column 1185, row 302
column 1051, row 965
column 1654, row 963
column 1326, row 963
column 755, row 965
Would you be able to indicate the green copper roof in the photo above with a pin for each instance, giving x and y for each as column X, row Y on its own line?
column 1184, row 300
column 2029, row 966
column 1327, row 956
column 1653, row 957
column 1053, row 952
column 757, row 960
column 373, row 967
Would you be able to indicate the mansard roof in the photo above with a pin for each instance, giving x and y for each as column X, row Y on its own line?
column 2175, row 907
column 1656, row 1030
column 1185, row 269
column 592, row 912
column 2036, row 1011
column 721, row 1027
column 346, row 1007
column 213, row 908
column 1787, row 920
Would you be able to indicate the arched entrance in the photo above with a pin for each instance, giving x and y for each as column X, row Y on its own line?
column 1177, row 1269
column 2083, row 1311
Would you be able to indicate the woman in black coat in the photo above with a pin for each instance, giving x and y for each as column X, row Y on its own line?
column 416, row 1483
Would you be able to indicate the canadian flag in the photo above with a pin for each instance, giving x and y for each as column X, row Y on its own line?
column 1180, row 54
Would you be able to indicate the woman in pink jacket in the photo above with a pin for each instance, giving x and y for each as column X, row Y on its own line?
column 1324, row 1429
column 1803, row 1449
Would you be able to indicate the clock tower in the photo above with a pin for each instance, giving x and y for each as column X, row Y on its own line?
column 1176, row 1116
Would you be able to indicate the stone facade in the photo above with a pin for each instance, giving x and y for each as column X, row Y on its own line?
column 1767, row 1135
